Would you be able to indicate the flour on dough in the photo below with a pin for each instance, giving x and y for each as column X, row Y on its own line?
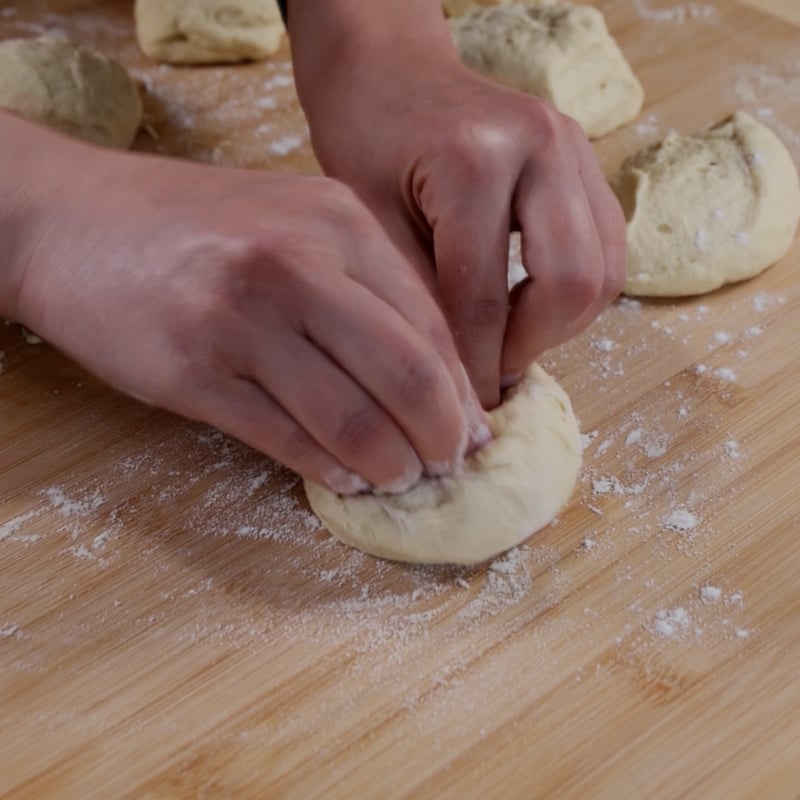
column 508, row 490
column 562, row 53
column 709, row 209
column 208, row 31
column 458, row 8
column 79, row 92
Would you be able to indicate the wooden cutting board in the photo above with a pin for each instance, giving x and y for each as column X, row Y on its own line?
column 175, row 624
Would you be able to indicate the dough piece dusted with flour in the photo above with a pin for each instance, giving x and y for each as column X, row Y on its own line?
column 560, row 52
column 508, row 490
column 458, row 8
column 709, row 209
column 208, row 31
column 79, row 92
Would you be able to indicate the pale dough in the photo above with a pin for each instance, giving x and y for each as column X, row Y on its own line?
column 208, row 31
column 562, row 53
column 709, row 209
column 77, row 91
column 512, row 487
column 458, row 8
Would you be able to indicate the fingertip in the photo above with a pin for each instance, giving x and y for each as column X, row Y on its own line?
column 345, row 482
column 402, row 483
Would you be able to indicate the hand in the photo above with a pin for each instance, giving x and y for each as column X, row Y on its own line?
column 272, row 307
column 451, row 163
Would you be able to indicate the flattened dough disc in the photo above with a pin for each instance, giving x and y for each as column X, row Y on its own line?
column 508, row 490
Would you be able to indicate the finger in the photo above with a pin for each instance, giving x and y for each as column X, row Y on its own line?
column 609, row 219
column 395, row 364
column 562, row 254
column 244, row 410
column 423, row 310
column 337, row 412
column 471, row 248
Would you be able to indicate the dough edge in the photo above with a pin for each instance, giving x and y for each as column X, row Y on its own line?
column 771, row 234
column 192, row 32
column 54, row 81
column 509, row 490
column 590, row 80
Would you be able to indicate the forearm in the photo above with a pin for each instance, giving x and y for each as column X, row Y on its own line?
column 335, row 40
column 35, row 165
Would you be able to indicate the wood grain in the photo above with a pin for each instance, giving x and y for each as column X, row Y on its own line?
column 785, row 9
column 173, row 624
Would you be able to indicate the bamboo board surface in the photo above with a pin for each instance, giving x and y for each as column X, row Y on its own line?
column 174, row 623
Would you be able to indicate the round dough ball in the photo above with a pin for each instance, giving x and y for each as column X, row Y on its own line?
column 77, row 91
column 562, row 53
column 208, row 31
column 704, row 210
column 508, row 490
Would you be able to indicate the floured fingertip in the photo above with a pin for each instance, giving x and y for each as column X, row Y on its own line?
column 342, row 481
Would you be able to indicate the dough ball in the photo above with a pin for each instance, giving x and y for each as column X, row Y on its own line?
column 704, row 210
column 562, row 53
column 208, row 31
column 77, row 91
column 458, row 8
column 507, row 491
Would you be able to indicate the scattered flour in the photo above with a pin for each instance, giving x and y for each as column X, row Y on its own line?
column 671, row 623
column 634, row 437
column 588, row 438
column 285, row 145
column 725, row 374
column 732, row 449
column 763, row 301
column 680, row 520
column 674, row 14
column 710, row 594
column 31, row 338
column 649, row 126
column 604, row 344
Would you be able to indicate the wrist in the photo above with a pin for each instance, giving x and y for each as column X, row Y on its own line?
column 339, row 44
column 36, row 169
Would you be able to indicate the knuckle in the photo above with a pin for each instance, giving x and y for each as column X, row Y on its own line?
column 419, row 380
column 487, row 312
column 194, row 365
column 573, row 127
column 580, row 287
column 358, row 431
column 295, row 447
column 230, row 276
column 206, row 309
column 474, row 160
column 441, row 339
column 544, row 121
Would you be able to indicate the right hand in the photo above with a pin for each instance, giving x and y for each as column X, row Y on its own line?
column 272, row 307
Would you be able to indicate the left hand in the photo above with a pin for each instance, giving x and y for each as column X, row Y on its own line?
column 451, row 163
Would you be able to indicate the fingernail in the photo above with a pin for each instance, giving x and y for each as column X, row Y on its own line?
column 343, row 481
column 509, row 380
column 480, row 436
column 479, row 431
